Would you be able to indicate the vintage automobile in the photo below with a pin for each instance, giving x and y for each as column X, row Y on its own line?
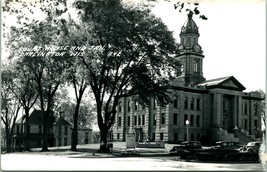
column 252, row 147
column 185, row 147
column 225, row 145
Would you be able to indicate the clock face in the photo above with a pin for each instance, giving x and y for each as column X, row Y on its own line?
column 197, row 48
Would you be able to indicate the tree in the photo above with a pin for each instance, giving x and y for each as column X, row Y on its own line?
column 36, row 43
column 23, row 92
column 9, row 105
column 129, row 52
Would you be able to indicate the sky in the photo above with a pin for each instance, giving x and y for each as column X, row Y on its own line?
column 233, row 38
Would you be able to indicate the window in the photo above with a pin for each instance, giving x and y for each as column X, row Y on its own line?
column 195, row 40
column 246, row 109
column 66, row 130
column 128, row 121
column 154, row 119
column 175, row 117
column 246, row 124
column 192, row 103
column 198, row 120
column 65, row 141
column 120, row 107
column 161, row 136
column 118, row 136
column 255, row 109
column 136, row 105
column 155, row 104
column 139, row 119
column 135, row 120
column 185, row 103
column 182, row 41
column 198, row 104
column 119, row 121
column 129, row 106
column 143, row 119
column 195, row 65
column 188, row 39
column 162, row 118
column 175, row 136
column 18, row 129
column 192, row 120
column 185, row 118
column 175, row 103
column 153, row 136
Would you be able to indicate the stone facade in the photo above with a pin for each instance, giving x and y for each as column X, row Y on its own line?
column 216, row 109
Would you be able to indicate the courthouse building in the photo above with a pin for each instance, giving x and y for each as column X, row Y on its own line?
column 216, row 109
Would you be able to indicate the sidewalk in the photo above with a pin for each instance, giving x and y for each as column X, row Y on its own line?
column 89, row 151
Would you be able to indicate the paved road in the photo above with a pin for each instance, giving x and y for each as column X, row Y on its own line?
column 42, row 161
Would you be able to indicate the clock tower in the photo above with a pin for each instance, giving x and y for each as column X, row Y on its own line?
column 190, row 54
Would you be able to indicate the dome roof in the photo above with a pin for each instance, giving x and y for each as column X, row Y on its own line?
column 189, row 26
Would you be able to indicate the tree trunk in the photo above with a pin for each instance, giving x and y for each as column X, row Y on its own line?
column 45, row 132
column 74, row 135
column 8, row 141
column 27, row 128
column 104, row 147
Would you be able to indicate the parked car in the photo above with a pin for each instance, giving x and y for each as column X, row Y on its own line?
column 225, row 145
column 252, row 147
column 185, row 147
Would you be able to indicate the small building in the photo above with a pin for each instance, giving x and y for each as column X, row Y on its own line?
column 59, row 131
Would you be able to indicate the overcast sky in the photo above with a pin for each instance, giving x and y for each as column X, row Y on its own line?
column 233, row 38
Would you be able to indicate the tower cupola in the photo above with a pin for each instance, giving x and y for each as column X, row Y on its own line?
column 190, row 26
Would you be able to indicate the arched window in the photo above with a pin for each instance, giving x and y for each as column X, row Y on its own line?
column 175, row 103
column 192, row 103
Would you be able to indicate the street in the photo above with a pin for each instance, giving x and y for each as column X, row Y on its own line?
column 37, row 162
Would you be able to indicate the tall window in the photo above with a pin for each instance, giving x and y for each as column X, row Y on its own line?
column 139, row 119
column 175, row 117
column 66, row 130
column 246, row 124
column 198, row 120
column 128, row 121
column 175, row 103
column 119, row 121
column 195, row 65
column 255, row 109
column 192, row 120
column 65, row 141
column 120, row 107
column 143, row 119
column 162, row 118
column 198, row 103
column 246, row 109
column 154, row 119
column 129, row 106
column 161, row 136
column 185, row 103
column 135, row 105
column 255, row 124
column 155, row 104
column 135, row 120
column 185, row 118
column 188, row 39
column 192, row 103
column 118, row 136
